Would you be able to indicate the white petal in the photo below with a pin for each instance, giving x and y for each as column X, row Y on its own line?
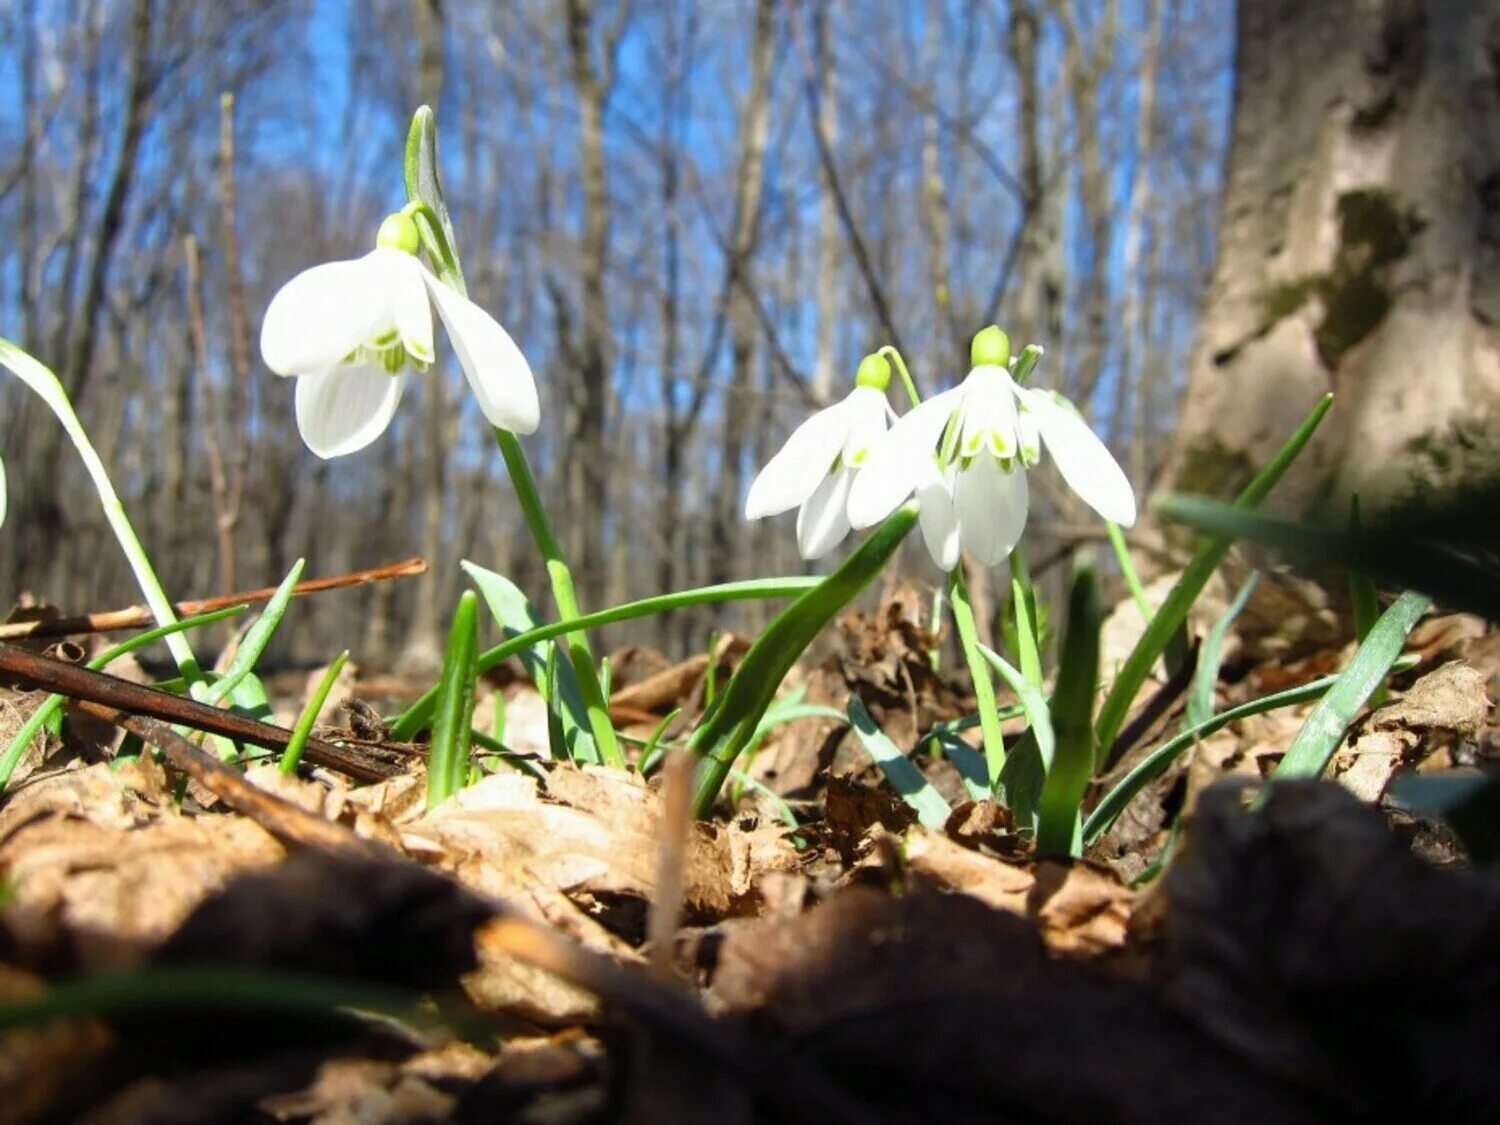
column 409, row 304
column 1084, row 461
column 2, row 492
column 822, row 522
column 496, row 369
column 989, row 413
column 891, row 470
column 991, row 505
column 802, row 464
column 867, row 409
column 323, row 314
column 938, row 520
column 346, row 408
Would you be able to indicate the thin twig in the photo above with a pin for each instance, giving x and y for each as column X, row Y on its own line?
column 284, row 820
column 62, row 678
column 137, row 616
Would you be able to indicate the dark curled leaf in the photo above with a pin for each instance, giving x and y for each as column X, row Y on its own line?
column 1305, row 937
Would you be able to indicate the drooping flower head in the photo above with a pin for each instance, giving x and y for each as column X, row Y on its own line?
column 821, row 459
column 965, row 454
column 350, row 332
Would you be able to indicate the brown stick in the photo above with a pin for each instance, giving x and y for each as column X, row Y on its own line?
column 137, row 616
column 62, row 678
column 279, row 817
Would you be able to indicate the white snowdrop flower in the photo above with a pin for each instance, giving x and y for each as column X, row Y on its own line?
column 349, row 331
column 971, row 488
column 820, row 460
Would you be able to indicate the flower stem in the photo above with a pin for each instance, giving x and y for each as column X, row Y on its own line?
column 565, row 595
column 1127, row 568
column 906, row 379
column 979, row 669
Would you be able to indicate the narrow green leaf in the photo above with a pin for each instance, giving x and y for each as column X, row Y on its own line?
column 1169, row 619
column 448, row 755
column 729, row 725
column 1073, row 760
column 291, row 757
column 409, row 723
column 932, row 811
column 1324, row 729
column 1023, row 610
column 971, row 768
column 257, row 637
column 984, row 687
column 1151, row 767
column 1401, row 558
column 652, row 753
column 1030, row 760
column 1200, row 701
column 508, row 605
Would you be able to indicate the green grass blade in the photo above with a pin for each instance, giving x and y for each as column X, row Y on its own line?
column 1073, row 759
column 1031, row 758
column 971, row 768
column 52, row 706
column 448, row 756
column 508, row 605
column 414, row 719
column 258, row 636
column 1200, row 701
column 1324, row 729
column 291, row 757
column 932, row 811
column 1169, row 619
column 730, row 724
column 652, row 752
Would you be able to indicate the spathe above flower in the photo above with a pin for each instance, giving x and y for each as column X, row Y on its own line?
column 348, row 332
column 820, row 460
column 972, row 487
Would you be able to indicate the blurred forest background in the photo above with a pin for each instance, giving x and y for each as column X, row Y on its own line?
column 695, row 218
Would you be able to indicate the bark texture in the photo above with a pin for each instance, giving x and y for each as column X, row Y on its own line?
column 1359, row 253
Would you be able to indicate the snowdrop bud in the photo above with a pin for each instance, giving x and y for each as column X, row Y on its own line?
column 991, row 348
column 398, row 232
column 874, row 371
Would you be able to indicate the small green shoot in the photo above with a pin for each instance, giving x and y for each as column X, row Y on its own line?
column 448, row 760
column 1073, row 761
column 291, row 757
column 1200, row 700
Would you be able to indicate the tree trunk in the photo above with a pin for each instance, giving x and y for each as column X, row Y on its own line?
column 585, row 452
column 1359, row 253
column 755, row 127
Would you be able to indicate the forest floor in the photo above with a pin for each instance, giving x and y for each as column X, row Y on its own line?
column 587, row 953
